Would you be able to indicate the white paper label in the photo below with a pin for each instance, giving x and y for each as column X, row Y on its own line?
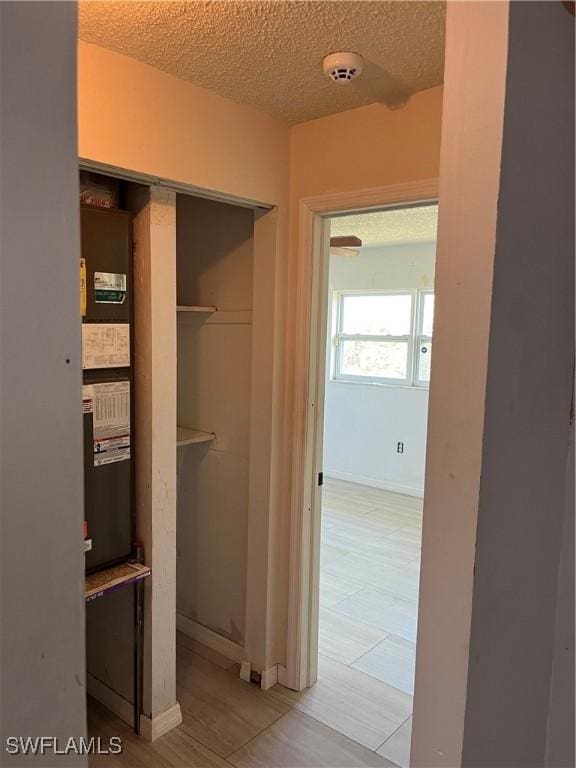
column 110, row 406
column 105, row 345
column 111, row 457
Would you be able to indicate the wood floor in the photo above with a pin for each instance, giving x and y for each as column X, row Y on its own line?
column 370, row 567
column 359, row 712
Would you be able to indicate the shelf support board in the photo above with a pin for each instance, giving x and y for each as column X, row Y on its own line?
column 193, row 308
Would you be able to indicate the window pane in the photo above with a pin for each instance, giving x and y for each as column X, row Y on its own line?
column 424, row 359
column 386, row 359
column 375, row 315
column 427, row 314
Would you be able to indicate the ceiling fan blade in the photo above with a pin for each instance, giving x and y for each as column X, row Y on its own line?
column 345, row 241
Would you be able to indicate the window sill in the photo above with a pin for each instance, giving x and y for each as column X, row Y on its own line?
column 382, row 384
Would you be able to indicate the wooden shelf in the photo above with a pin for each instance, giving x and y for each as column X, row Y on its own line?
column 205, row 310
column 187, row 436
column 97, row 584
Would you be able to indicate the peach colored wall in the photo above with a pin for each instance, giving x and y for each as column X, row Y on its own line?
column 137, row 117
column 367, row 147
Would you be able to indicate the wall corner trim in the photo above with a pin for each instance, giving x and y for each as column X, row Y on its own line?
column 152, row 728
column 282, row 675
column 269, row 677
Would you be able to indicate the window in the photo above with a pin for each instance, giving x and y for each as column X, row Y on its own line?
column 384, row 337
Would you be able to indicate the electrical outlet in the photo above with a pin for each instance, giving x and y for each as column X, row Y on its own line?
column 399, row 447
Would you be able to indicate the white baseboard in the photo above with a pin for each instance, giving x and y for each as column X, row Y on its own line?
column 150, row 728
column 110, row 698
column 245, row 671
column 385, row 485
column 227, row 648
column 209, row 638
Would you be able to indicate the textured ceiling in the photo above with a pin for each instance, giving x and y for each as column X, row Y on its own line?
column 268, row 53
column 392, row 227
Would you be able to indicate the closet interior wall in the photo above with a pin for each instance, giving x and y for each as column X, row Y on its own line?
column 214, row 244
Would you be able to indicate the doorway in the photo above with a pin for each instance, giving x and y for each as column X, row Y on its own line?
column 371, row 278
column 380, row 309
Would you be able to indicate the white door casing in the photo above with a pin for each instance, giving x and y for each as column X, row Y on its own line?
column 311, row 292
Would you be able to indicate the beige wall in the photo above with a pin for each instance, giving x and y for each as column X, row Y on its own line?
column 367, row 147
column 137, row 117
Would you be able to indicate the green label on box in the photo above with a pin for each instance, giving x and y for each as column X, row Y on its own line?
column 109, row 297
column 109, row 288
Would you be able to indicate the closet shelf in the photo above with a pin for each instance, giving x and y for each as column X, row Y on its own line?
column 187, row 436
column 192, row 308
column 96, row 584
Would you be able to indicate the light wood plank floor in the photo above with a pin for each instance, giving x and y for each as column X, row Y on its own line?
column 370, row 568
column 359, row 712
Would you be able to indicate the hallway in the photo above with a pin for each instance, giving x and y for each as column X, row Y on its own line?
column 228, row 722
column 359, row 711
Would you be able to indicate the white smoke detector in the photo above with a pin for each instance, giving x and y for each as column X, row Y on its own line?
column 343, row 67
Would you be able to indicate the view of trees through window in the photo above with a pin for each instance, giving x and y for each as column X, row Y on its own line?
column 385, row 336
column 385, row 359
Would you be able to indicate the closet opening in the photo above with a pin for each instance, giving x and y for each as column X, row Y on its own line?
column 214, row 295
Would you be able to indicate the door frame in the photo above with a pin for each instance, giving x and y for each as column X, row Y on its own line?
column 308, row 413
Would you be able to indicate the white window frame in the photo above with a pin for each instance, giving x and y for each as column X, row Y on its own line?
column 420, row 337
column 413, row 340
